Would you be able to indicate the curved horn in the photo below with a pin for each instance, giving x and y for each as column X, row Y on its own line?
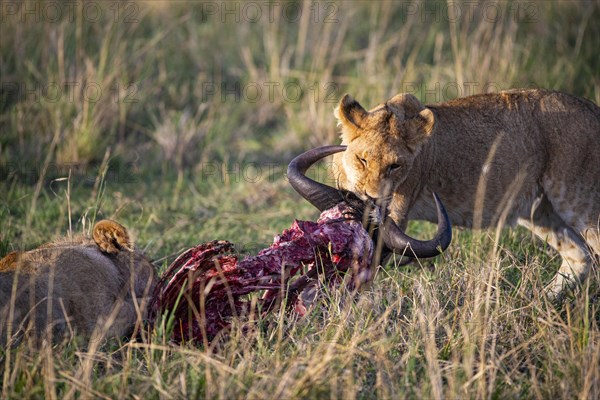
column 398, row 241
column 318, row 194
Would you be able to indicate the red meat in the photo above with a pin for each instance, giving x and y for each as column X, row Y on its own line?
column 207, row 285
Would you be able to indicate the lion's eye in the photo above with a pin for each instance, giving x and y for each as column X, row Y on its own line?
column 394, row 167
column 362, row 161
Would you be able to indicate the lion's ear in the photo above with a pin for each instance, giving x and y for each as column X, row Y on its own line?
column 413, row 121
column 111, row 237
column 404, row 106
column 419, row 128
column 350, row 115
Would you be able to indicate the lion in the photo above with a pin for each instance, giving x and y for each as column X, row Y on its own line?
column 78, row 286
column 523, row 156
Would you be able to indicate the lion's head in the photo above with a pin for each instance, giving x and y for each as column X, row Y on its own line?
column 382, row 143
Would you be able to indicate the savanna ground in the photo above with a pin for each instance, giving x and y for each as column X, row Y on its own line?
column 178, row 120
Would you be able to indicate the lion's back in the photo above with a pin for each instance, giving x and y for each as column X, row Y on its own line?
column 73, row 276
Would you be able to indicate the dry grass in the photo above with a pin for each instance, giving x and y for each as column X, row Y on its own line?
column 174, row 148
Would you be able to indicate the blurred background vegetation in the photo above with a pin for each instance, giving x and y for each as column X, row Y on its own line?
column 186, row 82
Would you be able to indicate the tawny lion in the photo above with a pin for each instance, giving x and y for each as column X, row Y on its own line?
column 530, row 157
column 80, row 285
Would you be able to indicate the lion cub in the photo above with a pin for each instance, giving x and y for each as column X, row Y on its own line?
column 524, row 156
column 80, row 285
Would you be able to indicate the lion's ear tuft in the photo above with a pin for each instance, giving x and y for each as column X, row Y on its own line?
column 419, row 128
column 350, row 115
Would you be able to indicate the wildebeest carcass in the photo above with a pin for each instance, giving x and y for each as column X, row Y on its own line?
column 208, row 284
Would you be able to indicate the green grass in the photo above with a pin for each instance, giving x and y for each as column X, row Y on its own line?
column 182, row 166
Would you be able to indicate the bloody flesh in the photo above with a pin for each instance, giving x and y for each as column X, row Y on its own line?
column 213, row 285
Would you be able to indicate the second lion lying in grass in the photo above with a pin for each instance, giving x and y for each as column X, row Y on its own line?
column 85, row 286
